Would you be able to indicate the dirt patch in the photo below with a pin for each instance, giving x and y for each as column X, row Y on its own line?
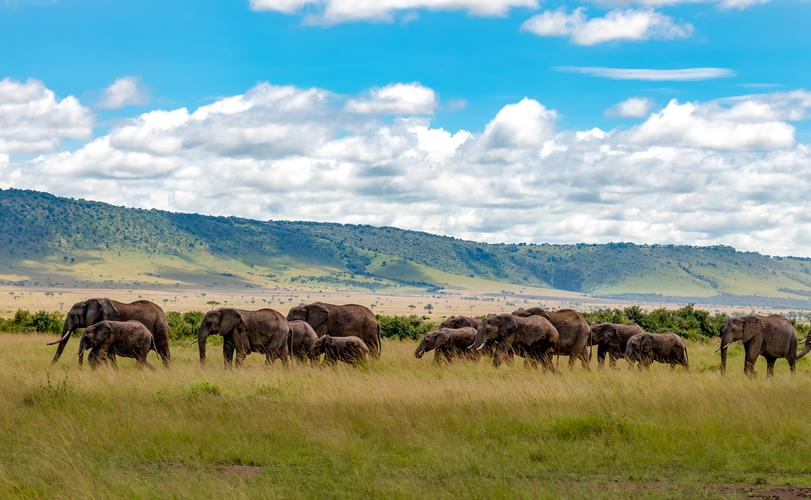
column 767, row 492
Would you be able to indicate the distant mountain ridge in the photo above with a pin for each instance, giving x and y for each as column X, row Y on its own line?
column 51, row 241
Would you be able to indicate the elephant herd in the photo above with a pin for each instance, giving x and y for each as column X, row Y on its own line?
column 351, row 334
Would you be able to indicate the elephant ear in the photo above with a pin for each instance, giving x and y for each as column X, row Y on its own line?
column 317, row 317
column 751, row 327
column 646, row 345
column 109, row 309
column 441, row 338
column 230, row 319
column 92, row 312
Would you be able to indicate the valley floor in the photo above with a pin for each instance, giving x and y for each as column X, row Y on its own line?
column 398, row 428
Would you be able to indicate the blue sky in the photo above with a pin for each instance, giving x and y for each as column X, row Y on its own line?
column 190, row 51
column 113, row 101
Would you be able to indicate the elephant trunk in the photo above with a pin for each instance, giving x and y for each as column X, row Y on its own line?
column 67, row 330
column 201, row 344
column 724, row 347
column 82, row 347
column 421, row 350
column 807, row 348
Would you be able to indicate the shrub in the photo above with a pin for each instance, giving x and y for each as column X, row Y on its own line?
column 26, row 322
column 184, row 325
column 404, row 327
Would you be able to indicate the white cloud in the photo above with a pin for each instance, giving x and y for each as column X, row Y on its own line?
column 728, row 171
column 743, row 127
column 396, row 99
column 125, row 91
column 339, row 11
column 616, row 25
column 633, row 107
column 653, row 75
column 723, row 4
column 33, row 120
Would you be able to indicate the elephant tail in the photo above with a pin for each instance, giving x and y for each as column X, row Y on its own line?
column 379, row 349
column 289, row 340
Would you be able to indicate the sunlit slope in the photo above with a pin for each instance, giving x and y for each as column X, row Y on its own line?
column 51, row 241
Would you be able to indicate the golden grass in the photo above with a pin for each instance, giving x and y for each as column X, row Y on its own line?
column 396, row 428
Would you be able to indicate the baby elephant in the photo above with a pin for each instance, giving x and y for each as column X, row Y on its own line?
column 645, row 348
column 301, row 341
column 449, row 343
column 350, row 350
column 108, row 339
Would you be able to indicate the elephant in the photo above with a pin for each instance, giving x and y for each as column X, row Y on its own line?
column 350, row 350
column 301, row 340
column 91, row 311
column 573, row 329
column 645, row 348
column 769, row 336
column 534, row 337
column 264, row 331
column 611, row 339
column 340, row 321
column 448, row 343
column 108, row 339
column 460, row 322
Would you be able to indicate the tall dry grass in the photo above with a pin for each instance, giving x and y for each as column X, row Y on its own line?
column 400, row 427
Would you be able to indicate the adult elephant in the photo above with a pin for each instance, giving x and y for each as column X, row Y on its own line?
column 611, row 339
column 91, row 311
column 264, row 331
column 340, row 321
column 534, row 338
column 573, row 329
column 769, row 336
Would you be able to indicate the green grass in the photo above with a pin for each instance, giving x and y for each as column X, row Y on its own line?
column 398, row 428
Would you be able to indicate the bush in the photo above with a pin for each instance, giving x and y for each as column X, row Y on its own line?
column 39, row 322
column 404, row 327
column 689, row 322
column 184, row 325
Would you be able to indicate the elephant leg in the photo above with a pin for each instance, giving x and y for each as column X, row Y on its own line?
column 161, row 338
column 601, row 357
column 751, row 357
column 585, row 360
column 241, row 353
column 228, row 353
column 792, row 364
column 770, row 365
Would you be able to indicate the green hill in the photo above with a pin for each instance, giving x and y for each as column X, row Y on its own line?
column 50, row 241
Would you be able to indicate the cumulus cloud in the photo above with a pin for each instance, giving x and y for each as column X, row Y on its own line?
column 33, row 119
column 396, row 99
column 633, row 107
column 125, row 91
column 340, row 11
column 652, row 75
column 616, row 25
column 730, row 171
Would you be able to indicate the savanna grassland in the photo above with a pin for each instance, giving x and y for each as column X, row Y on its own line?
column 399, row 427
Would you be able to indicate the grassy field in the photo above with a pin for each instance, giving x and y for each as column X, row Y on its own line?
column 397, row 428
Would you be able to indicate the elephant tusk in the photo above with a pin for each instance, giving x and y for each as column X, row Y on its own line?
column 480, row 347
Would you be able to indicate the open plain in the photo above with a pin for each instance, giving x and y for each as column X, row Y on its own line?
column 397, row 428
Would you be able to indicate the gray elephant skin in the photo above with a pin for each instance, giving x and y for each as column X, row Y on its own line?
column 534, row 338
column 448, row 344
column 573, row 329
column 91, row 311
column 340, row 321
column 460, row 322
column 264, row 331
column 350, row 350
column 611, row 339
column 108, row 339
column 771, row 336
column 645, row 348
column 301, row 341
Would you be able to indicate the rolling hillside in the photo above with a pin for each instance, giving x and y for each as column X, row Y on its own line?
column 50, row 241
